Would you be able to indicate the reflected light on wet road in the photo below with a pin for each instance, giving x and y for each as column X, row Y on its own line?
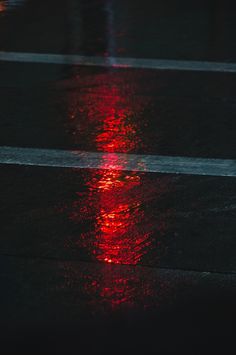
column 117, row 221
column 112, row 288
column 115, row 201
column 10, row 4
column 114, row 205
column 119, row 238
column 2, row 6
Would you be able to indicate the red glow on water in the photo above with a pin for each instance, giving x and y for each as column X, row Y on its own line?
column 2, row 7
column 117, row 236
column 121, row 231
column 118, row 239
column 118, row 133
column 119, row 228
column 108, row 287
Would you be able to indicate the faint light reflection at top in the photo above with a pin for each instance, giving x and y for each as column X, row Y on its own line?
column 2, row 6
column 10, row 4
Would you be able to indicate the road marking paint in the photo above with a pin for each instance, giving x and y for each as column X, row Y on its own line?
column 119, row 62
column 117, row 161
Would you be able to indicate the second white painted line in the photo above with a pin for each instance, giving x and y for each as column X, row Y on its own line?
column 120, row 62
column 117, row 161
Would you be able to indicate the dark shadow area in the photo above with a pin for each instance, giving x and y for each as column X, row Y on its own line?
column 203, row 30
column 204, row 323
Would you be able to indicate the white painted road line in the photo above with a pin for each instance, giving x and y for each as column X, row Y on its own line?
column 117, row 161
column 159, row 64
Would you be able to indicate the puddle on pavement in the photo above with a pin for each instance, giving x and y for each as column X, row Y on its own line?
column 115, row 201
column 111, row 112
column 114, row 110
column 115, row 211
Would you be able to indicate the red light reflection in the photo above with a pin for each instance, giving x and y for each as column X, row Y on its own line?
column 114, row 210
column 108, row 287
column 118, row 238
column 2, row 7
column 122, row 232
column 107, row 114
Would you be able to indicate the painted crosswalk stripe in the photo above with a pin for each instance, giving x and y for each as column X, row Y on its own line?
column 119, row 62
column 117, row 161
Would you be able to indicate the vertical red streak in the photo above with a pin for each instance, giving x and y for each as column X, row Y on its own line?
column 120, row 230
column 2, row 7
column 117, row 221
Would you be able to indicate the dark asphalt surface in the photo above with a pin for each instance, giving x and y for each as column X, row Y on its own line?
column 179, row 114
column 58, row 306
column 203, row 30
column 158, row 220
column 107, row 260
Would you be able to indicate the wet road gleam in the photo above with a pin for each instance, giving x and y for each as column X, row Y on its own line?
column 118, row 110
column 119, row 217
column 110, row 258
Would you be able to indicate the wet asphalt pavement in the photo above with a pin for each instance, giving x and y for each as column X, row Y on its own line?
column 106, row 259
column 177, row 114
